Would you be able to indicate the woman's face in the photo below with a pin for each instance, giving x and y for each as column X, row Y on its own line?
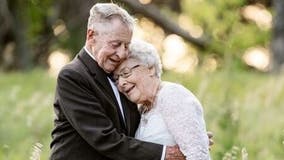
column 134, row 80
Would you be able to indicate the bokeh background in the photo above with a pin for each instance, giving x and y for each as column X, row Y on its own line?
column 230, row 54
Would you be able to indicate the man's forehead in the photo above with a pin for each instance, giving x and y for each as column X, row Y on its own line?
column 113, row 36
column 113, row 26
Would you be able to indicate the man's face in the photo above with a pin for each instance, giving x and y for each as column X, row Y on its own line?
column 110, row 46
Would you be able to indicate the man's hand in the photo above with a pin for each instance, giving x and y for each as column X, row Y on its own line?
column 173, row 153
column 210, row 137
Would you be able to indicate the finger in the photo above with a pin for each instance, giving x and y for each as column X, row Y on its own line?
column 210, row 134
column 211, row 142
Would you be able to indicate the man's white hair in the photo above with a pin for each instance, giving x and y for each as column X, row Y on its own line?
column 101, row 13
column 147, row 54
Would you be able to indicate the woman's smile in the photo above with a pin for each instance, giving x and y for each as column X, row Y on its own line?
column 127, row 91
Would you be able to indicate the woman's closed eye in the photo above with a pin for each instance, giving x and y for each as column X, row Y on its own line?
column 125, row 73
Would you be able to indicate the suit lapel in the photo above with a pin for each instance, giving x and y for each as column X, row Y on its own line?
column 98, row 74
column 126, row 112
column 101, row 78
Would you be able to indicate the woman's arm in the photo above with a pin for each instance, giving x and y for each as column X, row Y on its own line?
column 183, row 116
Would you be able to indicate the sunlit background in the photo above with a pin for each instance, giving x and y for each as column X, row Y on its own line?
column 231, row 75
column 178, row 55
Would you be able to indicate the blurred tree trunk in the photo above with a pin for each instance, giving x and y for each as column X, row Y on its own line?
column 75, row 15
column 174, row 5
column 13, row 35
column 5, row 34
column 264, row 2
column 23, row 52
column 277, row 45
column 42, row 47
column 152, row 12
column 5, row 18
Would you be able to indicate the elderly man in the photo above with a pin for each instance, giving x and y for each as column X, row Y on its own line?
column 93, row 120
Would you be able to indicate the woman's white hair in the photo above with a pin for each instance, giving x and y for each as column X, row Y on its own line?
column 101, row 13
column 147, row 54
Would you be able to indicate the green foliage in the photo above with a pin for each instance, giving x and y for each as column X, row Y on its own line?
column 242, row 109
column 229, row 33
column 37, row 13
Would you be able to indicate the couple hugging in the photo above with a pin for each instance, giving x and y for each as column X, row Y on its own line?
column 111, row 104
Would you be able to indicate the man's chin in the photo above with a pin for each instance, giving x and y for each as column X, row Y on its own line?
column 109, row 69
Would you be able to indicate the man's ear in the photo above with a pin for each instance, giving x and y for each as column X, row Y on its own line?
column 91, row 34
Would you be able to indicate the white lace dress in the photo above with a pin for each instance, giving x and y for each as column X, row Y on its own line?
column 176, row 118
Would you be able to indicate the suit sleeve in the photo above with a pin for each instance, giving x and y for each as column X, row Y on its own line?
column 89, row 118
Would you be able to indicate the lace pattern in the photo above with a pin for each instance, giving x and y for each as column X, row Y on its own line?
column 176, row 118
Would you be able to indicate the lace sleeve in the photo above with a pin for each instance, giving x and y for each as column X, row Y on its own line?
column 183, row 116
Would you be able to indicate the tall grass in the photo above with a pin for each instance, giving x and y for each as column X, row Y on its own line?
column 244, row 110
column 25, row 113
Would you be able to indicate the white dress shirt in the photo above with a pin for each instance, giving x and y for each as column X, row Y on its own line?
column 117, row 96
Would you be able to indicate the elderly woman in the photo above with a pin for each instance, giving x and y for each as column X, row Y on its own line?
column 171, row 114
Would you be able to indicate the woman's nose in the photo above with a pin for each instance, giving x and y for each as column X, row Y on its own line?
column 121, row 82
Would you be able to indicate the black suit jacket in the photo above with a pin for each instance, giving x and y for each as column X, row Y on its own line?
column 88, row 125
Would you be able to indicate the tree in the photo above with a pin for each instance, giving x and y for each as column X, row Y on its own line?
column 277, row 45
column 5, row 31
column 30, row 27
column 152, row 12
column 16, row 33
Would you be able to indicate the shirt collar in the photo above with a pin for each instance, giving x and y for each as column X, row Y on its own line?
column 89, row 53
column 109, row 75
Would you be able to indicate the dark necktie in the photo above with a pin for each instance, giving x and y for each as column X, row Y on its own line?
column 110, row 76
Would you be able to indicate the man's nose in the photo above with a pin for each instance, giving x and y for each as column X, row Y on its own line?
column 122, row 52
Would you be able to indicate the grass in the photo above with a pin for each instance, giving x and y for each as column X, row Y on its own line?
column 243, row 109
column 25, row 113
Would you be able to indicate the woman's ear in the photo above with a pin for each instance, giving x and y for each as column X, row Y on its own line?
column 152, row 71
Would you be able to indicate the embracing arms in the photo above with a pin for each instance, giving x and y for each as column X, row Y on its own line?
column 87, row 108
column 183, row 116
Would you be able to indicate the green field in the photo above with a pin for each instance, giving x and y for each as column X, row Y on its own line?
column 244, row 110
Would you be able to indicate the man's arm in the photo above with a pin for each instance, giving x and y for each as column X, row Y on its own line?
column 90, row 118
column 174, row 153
